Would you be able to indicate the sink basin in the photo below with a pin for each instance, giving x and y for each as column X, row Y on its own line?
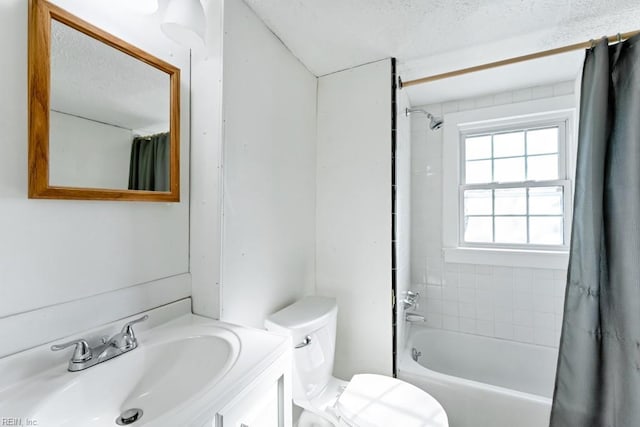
column 171, row 367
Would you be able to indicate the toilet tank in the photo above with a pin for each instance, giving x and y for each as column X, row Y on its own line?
column 311, row 323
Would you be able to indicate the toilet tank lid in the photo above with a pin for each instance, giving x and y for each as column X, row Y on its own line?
column 310, row 312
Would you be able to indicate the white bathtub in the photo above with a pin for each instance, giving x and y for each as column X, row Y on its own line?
column 482, row 381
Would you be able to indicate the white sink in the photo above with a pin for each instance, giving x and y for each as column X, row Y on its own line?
column 172, row 367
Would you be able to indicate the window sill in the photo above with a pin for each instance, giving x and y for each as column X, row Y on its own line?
column 507, row 257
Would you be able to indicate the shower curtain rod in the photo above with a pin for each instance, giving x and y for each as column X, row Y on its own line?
column 542, row 54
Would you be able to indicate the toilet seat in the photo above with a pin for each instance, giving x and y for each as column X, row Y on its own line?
column 378, row 401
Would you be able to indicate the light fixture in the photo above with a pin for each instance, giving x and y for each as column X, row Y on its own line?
column 184, row 23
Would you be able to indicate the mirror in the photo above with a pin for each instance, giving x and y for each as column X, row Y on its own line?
column 103, row 115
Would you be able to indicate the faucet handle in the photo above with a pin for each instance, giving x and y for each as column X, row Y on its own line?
column 82, row 352
column 413, row 295
column 127, row 328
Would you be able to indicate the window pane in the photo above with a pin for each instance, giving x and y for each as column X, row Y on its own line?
column 478, row 147
column 545, row 230
column 508, row 144
column 509, row 170
column 478, row 171
column 542, row 141
column 478, row 202
column 540, row 168
column 511, row 201
column 545, row 200
column 511, row 229
column 478, row 229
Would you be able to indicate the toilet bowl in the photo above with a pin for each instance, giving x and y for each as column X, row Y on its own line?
column 367, row 400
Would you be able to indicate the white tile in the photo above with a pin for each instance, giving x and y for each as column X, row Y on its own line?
column 523, row 301
column 450, row 308
column 523, row 334
column 544, row 320
column 485, row 101
column 467, row 295
column 484, row 312
column 468, row 325
column 451, row 322
column 542, row 273
column 558, row 325
column 504, row 330
column 559, row 305
column 484, row 269
column 467, row 310
column 523, row 285
column 539, row 92
column 503, row 300
column 466, row 104
column 450, row 293
column 544, row 287
column 559, row 287
column 503, row 272
column 450, row 278
column 560, row 275
column 449, row 107
column 544, row 304
column 434, row 306
column 565, row 88
column 467, row 280
column 523, row 318
column 434, row 320
column 503, row 315
column 545, row 337
column 434, row 292
column 484, row 297
column 467, row 268
column 503, row 98
column 485, row 327
column 450, row 267
column 522, row 95
column 485, row 283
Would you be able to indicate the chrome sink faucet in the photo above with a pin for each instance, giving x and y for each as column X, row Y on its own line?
column 85, row 356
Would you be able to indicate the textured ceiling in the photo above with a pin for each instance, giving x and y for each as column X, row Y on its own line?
column 93, row 80
column 331, row 35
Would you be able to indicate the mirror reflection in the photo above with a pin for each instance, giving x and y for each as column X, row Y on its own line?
column 109, row 116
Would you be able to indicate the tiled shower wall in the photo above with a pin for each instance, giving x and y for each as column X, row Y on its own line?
column 520, row 304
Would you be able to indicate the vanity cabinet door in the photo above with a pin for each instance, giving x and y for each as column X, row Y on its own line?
column 260, row 406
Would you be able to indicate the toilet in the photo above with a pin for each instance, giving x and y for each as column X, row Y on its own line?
column 367, row 400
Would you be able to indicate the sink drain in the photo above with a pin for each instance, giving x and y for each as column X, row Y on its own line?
column 129, row 416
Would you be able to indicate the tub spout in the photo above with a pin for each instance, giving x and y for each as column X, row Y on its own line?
column 413, row 317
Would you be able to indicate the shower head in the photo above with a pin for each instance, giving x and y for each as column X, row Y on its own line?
column 435, row 123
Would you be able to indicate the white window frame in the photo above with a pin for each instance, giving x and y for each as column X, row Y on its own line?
column 531, row 114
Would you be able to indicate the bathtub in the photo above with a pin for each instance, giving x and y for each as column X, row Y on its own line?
column 482, row 381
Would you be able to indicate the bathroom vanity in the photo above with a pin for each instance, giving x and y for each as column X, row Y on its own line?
column 187, row 371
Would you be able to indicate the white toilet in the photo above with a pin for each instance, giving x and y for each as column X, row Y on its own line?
column 367, row 400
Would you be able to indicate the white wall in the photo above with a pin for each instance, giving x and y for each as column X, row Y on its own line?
column 269, row 113
column 513, row 303
column 86, row 153
column 403, row 213
column 353, row 213
column 51, row 251
column 206, row 167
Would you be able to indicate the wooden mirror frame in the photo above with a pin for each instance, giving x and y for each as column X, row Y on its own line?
column 41, row 13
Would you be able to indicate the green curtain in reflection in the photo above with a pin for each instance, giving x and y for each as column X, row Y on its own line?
column 149, row 166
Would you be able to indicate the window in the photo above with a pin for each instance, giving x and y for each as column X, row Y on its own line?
column 507, row 193
column 514, row 187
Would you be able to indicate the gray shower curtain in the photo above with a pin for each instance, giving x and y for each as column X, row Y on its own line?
column 598, row 376
column 149, row 165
